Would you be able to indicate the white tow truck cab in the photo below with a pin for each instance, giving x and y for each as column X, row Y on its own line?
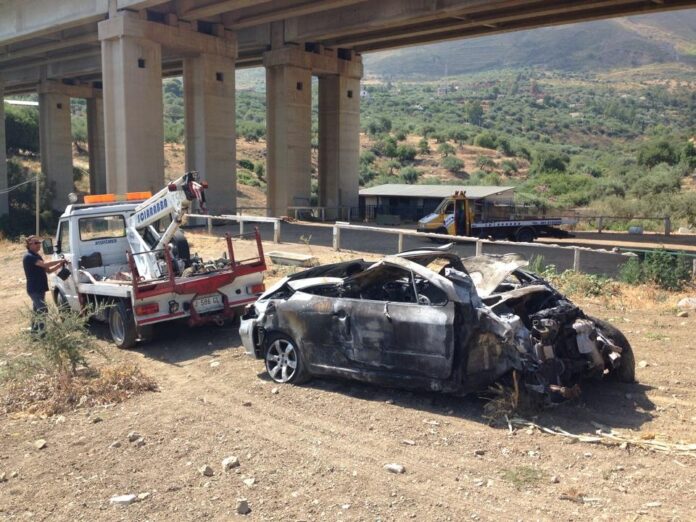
column 129, row 260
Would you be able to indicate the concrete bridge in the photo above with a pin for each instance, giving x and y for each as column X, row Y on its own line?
column 114, row 54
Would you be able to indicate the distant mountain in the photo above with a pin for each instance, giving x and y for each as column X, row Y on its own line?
column 605, row 44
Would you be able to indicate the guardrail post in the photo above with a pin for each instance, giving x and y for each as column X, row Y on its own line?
column 276, row 231
column 241, row 226
column 210, row 226
column 336, row 237
column 479, row 247
column 668, row 225
column 600, row 224
column 400, row 248
column 576, row 259
column 693, row 268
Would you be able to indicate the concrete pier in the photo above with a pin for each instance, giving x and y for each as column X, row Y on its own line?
column 133, row 113
column 288, row 131
column 209, row 96
column 339, row 144
column 4, row 200
column 55, row 137
column 96, row 145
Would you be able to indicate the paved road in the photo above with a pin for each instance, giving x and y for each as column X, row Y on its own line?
column 591, row 261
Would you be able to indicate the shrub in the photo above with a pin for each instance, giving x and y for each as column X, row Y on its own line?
column 666, row 270
column 260, row 171
column 487, row 140
column 658, row 151
column 485, row 163
column 445, row 149
column 406, row 153
column 22, row 129
column 452, row 163
column 423, row 146
column 509, row 167
column 246, row 164
column 409, row 175
column 367, row 157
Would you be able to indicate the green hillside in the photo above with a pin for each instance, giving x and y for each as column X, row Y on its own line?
column 605, row 44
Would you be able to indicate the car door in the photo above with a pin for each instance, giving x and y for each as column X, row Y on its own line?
column 67, row 287
column 407, row 337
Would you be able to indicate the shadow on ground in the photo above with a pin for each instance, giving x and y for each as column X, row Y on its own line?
column 611, row 404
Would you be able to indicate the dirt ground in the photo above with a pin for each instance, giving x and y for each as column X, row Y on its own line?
column 318, row 451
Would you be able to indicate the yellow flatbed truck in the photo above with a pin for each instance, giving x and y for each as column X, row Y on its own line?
column 456, row 215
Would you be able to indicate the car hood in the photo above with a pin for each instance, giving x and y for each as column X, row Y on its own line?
column 487, row 272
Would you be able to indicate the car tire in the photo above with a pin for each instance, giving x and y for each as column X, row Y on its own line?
column 283, row 360
column 122, row 325
column 181, row 248
column 627, row 371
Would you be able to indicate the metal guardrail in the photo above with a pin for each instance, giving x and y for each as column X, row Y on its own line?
column 401, row 233
column 241, row 219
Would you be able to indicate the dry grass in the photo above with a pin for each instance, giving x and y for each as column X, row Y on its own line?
column 53, row 393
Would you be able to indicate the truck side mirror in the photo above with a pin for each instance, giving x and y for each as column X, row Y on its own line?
column 47, row 246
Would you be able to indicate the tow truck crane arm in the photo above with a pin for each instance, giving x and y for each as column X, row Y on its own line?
column 173, row 201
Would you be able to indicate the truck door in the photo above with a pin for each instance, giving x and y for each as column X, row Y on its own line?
column 67, row 288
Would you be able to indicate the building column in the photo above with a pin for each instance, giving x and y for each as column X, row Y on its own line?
column 288, row 130
column 55, row 138
column 339, row 144
column 133, row 113
column 4, row 198
column 95, row 143
column 209, row 97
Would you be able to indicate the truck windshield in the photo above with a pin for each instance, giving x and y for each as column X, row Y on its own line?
column 102, row 227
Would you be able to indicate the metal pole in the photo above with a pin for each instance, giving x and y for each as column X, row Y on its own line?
column 576, row 259
column 38, row 210
column 401, row 243
column 241, row 227
column 276, row 231
column 600, row 224
column 668, row 225
column 210, row 225
column 336, row 237
column 693, row 269
column 479, row 247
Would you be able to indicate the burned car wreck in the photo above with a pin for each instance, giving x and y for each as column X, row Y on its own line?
column 429, row 319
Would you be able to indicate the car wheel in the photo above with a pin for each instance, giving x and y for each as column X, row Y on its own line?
column 283, row 360
column 122, row 326
column 627, row 371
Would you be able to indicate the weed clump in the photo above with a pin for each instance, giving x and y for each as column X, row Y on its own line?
column 54, row 376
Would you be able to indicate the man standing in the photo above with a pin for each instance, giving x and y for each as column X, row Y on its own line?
column 35, row 270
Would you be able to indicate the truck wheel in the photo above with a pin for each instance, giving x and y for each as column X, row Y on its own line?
column 181, row 248
column 525, row 235
column 441, row 230
column 122, row 325
column 61, row 301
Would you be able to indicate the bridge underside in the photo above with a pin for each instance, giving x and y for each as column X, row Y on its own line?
column 115, row 53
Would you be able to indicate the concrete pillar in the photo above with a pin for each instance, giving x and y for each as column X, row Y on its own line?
column 133, row 127
column 339, row 143
column 4, row 199
column 288, row 131
column 95, row 143
column 209, row 96
column 55, row 138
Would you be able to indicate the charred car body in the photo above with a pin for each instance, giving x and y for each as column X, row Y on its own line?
column 429, row 319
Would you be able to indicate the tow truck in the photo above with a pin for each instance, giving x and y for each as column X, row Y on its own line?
column 128, row 261
column 457, row 216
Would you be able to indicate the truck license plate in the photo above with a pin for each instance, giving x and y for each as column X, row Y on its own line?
column 208, row 303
